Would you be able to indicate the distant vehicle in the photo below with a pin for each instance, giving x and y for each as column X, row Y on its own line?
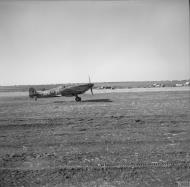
column 187, row 83
column 107, row 87
column 70, row 91
column 156, row 85
column 179, row 85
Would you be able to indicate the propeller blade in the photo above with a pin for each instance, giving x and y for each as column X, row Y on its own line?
column 92, row 91
column 89, row 79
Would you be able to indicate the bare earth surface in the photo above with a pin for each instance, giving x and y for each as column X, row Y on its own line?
column 109, row 139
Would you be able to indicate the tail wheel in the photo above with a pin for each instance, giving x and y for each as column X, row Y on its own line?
column 77, row 99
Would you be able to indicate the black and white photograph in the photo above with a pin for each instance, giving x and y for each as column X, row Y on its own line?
column 94, row 93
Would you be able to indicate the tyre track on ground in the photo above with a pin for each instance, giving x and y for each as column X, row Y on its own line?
column 142, row 165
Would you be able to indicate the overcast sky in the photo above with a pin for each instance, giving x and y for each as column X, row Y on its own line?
column 44, row 42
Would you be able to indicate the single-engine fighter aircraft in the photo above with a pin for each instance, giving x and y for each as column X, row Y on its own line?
column 70, row 91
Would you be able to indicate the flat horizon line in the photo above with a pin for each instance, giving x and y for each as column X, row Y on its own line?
column 95, row 82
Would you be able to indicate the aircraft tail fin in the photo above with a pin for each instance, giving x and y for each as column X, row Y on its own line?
column 32, row 92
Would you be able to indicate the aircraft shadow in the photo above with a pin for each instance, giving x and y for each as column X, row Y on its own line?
column 85, row 101
column 97, row 100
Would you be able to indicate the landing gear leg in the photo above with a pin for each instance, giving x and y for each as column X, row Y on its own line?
column 77, row 99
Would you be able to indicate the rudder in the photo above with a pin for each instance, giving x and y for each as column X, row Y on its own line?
column 32, row 92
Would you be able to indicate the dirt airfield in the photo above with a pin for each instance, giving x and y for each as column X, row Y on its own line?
column 109, row 139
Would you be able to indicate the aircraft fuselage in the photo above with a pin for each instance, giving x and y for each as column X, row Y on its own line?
column 61, row 91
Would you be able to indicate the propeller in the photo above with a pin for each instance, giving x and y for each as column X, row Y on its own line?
column 92, row 86
column 91, row 91
column 89, row 79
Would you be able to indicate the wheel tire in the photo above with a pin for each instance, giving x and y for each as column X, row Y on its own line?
column 77, row 99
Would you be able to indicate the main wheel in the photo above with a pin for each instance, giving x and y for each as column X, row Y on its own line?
column 77, row 99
